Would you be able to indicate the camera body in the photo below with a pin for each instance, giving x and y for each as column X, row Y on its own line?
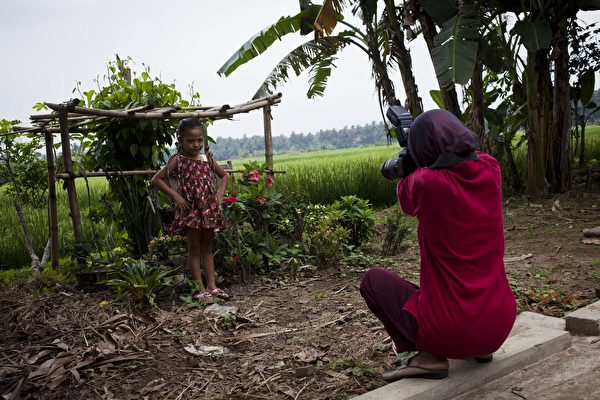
column 404, row 164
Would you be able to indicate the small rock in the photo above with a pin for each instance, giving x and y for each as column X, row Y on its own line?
column 592, row 232
column 216, row 310
column 205, row 351
column 303, row 372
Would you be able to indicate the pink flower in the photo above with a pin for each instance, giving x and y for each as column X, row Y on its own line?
column 261, row 200
column 270, row 181
column 327, row 232
column 254, row 175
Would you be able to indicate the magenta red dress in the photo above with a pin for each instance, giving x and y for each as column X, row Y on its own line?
column 197, row 187
column 465, row 306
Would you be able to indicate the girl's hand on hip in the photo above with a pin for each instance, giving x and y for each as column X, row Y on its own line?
column 181, row 203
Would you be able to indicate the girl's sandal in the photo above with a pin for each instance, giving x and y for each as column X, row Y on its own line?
column 219, row 293
column 203, row 296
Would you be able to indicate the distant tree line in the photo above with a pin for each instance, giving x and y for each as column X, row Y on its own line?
column 329, row 139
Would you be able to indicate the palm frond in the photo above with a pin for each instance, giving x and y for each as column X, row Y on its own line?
column 303, row 57
column 260, row 42
column 319, row 75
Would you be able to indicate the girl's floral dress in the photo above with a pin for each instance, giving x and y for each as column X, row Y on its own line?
column 197, row 187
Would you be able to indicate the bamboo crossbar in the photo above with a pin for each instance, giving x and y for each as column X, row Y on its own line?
column 66, row 176
column 220, row 112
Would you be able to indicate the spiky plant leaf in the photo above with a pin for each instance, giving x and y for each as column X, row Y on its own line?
column 260, row 42
column 302, row 58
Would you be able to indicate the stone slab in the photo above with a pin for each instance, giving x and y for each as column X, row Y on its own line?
column 525, row 345
column 532, row 319
column 572, row 374
column 585, row 321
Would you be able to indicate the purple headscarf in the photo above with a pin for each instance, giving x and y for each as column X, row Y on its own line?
column 438, row 139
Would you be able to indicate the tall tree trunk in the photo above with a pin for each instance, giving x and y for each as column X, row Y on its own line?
column 36, row 265
column 512, row 166
column 559, row 166
column 448, row 92
column 539, row 111
column 381, row 71
column 582, row 146
column 404, row 61
column 476, row 119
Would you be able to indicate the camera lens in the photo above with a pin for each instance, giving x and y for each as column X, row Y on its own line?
column 389, row 168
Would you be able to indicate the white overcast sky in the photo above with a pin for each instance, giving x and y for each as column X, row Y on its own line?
column 48, row 45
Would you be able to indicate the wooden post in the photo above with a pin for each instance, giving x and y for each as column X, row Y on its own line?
column 70, row 183
column 52, row 209
column 268, row 134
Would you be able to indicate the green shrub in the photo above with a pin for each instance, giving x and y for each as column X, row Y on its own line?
column 141, row 281
column 396, row 231
column 356, row 216
column 326, row 242
column 10, row 276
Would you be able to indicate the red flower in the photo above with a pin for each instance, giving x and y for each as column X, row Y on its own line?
column 230, row 200
column 270, row 181
column 235, row 258
column 261, row 200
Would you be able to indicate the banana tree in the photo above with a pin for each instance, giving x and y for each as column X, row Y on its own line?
column 387, row 35
column 319, row 54
column 542, row 27
column 584, row 61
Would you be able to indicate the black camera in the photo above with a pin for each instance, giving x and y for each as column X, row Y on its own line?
column 404, row 164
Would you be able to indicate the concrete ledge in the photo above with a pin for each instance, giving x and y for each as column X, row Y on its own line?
column 531, row 319
column 585, row 321
column 526, row 345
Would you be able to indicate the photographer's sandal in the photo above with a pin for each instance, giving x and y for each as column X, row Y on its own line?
column 484, row 358
column 219, row 293
column 410, row 371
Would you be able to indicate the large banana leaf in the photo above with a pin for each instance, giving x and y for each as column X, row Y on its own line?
column 319, row 74
column 587, row 82
column 260, row 42
column 439, row 10
column 316, row 55
column 455, row 53
column 534, row 35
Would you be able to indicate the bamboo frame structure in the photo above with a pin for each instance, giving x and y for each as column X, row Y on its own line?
column 68, row 118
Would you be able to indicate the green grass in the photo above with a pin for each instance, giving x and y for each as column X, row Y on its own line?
column 13, row 252
column 328, row 175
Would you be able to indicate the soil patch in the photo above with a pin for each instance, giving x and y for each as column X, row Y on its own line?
column 310, row 338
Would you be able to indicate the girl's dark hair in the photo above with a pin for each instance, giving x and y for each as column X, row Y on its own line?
column 186, row 124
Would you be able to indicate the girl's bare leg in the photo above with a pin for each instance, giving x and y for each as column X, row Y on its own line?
column 208, row 263
column 195, row 252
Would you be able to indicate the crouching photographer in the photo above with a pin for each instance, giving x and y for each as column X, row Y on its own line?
column 463, row 306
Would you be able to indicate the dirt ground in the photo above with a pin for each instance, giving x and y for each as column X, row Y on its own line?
column 309, row 338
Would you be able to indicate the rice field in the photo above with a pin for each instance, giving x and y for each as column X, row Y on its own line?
column 323, row 176
column 13, row 251
column 328, row 175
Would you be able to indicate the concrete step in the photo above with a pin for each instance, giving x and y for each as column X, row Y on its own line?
column 530, row 341
column 585, row 321
column 572, row 374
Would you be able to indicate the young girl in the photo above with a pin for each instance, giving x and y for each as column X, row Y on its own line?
column 198, row 206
